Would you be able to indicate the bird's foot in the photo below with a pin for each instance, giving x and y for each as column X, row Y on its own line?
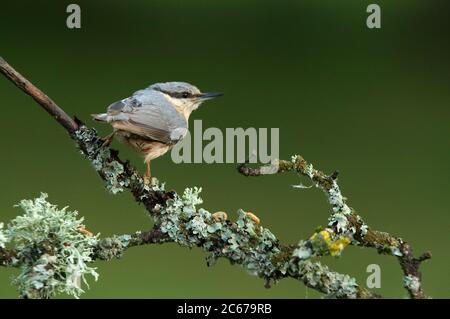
column 107, row 139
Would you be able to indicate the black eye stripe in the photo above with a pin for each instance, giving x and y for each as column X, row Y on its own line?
column 178, row 95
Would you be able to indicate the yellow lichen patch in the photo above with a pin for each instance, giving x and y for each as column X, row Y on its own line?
column 253, row 217
column 334, row 247
column 325, row 235
column 219, row 216
column 338, row 246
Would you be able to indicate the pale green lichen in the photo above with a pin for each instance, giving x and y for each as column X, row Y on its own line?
column 3, row 239
column 340, row 221
column 411, row 283
column 51, row 252
column 363, row 230
column 396, row 251
column 304, row 250
column 182, row 211
column 112, row 174
column 318, row 276
column 337, row 201
column 112, row 247
column 309, row 170
column 241, row 242
column 100, row 158
column 389, row 250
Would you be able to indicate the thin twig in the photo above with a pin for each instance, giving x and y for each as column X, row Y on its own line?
column 22, row 83
column 354, row 228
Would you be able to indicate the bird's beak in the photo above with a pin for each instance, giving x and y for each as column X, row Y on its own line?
column 209, row 95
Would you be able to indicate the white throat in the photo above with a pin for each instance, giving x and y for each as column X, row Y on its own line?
column 184, row 106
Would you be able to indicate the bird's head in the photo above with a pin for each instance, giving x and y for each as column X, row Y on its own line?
column 184, row 96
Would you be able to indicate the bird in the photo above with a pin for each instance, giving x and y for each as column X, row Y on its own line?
column 154, row 119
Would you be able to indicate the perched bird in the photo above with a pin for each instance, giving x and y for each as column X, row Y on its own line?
column 154, row 119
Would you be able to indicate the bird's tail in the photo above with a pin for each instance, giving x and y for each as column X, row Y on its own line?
column 100, row 117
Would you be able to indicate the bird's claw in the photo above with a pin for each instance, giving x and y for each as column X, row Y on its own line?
column 107, row 140
column 105, row 143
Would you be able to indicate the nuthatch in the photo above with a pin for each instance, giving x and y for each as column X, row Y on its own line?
column 154, row 119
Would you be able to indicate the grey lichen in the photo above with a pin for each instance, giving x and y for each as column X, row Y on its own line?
column 3, row 239
column 340, row 210
column 318, row 276
column 51, row 252
column 252, row 246
column 340, row 221
column 112, row 172
column 100, row 157
column 412, row 283
column 304, row 250
column 363, row 230
column 337, row 201
column 181, row 220
column 241, row 242
column 112, row 247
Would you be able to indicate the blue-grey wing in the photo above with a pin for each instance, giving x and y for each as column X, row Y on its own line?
column 149, row 115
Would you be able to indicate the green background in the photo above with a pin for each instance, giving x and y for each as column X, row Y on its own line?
column 372, row 103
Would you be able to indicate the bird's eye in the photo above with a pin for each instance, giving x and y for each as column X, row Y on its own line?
column 185, row 94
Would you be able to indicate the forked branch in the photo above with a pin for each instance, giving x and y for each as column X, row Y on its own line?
column 178, row 219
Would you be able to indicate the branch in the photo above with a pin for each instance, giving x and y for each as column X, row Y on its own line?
column 177, row 218
column 114, row 247
column 47, row 255
column 347, row 227
column 22, row 83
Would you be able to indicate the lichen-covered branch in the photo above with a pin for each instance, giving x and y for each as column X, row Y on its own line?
column 57, row 259
column 114, row 247
column 52, row 248
column 346, row 227
column 188, row 226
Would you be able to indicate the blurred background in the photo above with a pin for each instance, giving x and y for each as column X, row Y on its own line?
column 374, row 104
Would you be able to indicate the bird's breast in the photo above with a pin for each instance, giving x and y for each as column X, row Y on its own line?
column 150, row 148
